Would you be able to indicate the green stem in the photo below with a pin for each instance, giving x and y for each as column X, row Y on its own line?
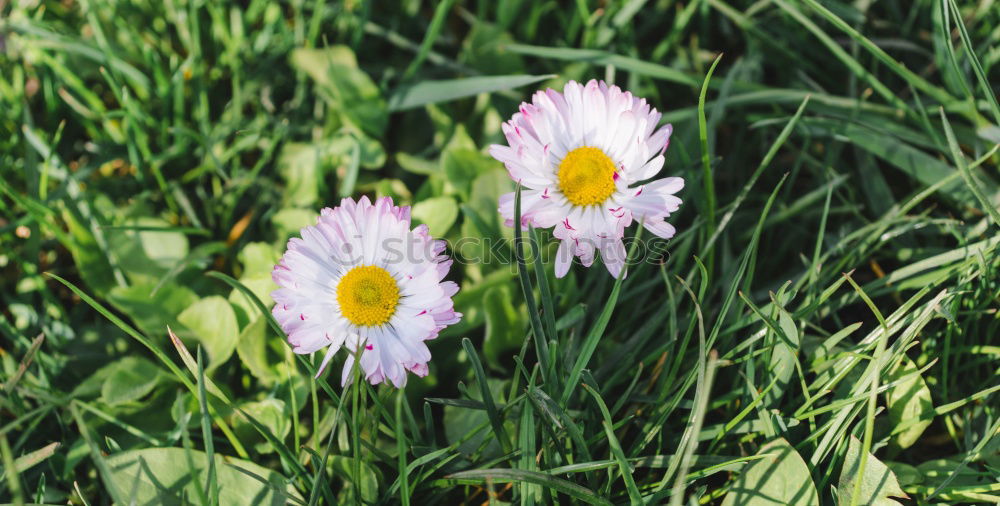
column 356, row 408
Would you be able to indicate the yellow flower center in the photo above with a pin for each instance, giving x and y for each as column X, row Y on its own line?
column 587, row 176
column 368, row 296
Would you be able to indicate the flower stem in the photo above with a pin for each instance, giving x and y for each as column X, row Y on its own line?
column 356, row 408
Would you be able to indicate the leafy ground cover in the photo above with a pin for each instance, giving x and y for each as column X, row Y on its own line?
column 822, row 330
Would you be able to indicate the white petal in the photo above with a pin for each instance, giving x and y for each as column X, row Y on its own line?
column 613, row 256
column 564, row 258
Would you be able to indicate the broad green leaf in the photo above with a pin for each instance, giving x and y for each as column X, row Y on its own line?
column 438, row 213
column 460, row 421
column 469, row 299
column 909, row 401
column 258, row 258
column 784, row 354
column 261, row 285
column 905, row 473
column 484, row 49
column 393, row 188
column 484, row 200
column 302, row 165
column 213, row 323
column 934, row 472
column 780, row 478
column 347, row 88
column 270, row 413
column 155, row 476
column 430, row 92
column 90, row 260
column 147, row 246
column 288, row 222
column 372, row 155
column 877, row 485
column 252, row 350
column 460, row 138
column 462, row 166
column 965, row 483
column 131, row 379
column 344, row 467
column 152, row 314
column 488, row 187
column 416, row 164
column 165, row 247
column 505, row 327
column 91, row 385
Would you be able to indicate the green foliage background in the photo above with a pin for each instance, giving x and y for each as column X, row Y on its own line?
column 822, row 330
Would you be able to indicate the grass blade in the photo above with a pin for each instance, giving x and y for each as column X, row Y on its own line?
column 431, row 35
column 548, row 303
column 404, row 478
column 977, row 67
column 484, row 388
column 411, row 96
column 597, row 331
column 478, row 476
column 706, row 157
column 211, row 480
column 616, row 448
column 541, row 345
column 704, row 389
column 959, row 159
column 598, row 57
column 11, row 382
column 850, row 62
column 909, row 76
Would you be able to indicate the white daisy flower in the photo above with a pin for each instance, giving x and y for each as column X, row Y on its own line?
column 360, row 276
column 584, row 157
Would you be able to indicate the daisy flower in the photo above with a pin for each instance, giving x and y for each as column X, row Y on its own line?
column 361, row 278
column 585, row 158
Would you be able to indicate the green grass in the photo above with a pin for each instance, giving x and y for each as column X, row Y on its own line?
column 822, row 330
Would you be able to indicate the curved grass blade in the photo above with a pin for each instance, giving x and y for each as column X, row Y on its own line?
column 479, row 476
column 598, row 57
column 959, row 159
column 977, row 67
column 706, row 162
column 411, row 96
column 616, row 448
